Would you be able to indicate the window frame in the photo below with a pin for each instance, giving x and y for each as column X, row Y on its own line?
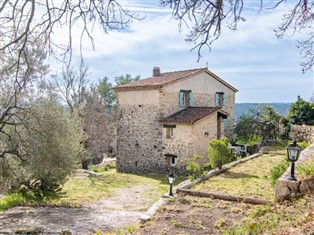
column 185, row 98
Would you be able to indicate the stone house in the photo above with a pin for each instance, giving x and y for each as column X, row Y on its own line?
column 169, row 117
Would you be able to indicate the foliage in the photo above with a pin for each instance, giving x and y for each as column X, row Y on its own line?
column 122, row 80
column 218, row 153
column 108, row 96
column 92, row 104
column 49, row 143
column 262, row 122
column 277, row 171
column 195, row 167
column 301, row 112
column 306, row 169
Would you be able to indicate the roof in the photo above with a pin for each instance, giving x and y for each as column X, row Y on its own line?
column 163, row 79
column 190, row 115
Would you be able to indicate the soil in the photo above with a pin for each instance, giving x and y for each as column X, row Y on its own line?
column 196, row 215
column 124, row 208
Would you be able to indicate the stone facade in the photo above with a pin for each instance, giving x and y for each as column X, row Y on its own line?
column 142, row 141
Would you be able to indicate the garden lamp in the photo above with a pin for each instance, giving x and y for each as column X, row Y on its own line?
column 293, row 151
column 171, row 179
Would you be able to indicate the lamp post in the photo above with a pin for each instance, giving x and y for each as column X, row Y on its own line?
column 293, row 151
column 171, row 179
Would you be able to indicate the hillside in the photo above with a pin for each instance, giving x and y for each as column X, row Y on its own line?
column 243, row 108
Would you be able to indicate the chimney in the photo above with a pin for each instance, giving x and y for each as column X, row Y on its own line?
column 156, row 72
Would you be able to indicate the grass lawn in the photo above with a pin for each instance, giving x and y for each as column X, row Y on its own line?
column 249, row 179
column 82, row 188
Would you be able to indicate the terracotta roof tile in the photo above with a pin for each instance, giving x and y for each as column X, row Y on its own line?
column 167, row 78
column 191, row 115
column 162, row 79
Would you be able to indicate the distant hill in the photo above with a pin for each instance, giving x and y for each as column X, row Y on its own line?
column 243, row 108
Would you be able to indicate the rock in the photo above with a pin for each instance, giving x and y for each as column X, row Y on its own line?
column 307, row 185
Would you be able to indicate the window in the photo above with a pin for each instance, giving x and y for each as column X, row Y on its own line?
column 171, row 159
column 220, row 99
column 169, row 131
column 185, row 98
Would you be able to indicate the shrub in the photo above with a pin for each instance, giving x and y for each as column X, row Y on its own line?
column 195, row 168
column 218, row 153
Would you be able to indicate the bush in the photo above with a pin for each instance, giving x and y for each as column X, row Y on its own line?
column 218, row 153
column 278, row 170
column 195, row 168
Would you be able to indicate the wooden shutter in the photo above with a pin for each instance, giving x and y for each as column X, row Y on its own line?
column 190, row 99
column 217, row 99
column 226, row 124
column 224, row 98
column 181, row 99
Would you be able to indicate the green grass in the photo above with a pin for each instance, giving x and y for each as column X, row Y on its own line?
column 306, row 169
column 249, row 179
column 11, row 200
column 81, row 188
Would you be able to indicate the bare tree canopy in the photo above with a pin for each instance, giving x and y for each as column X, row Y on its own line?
column 209, row 17
column 23, row 22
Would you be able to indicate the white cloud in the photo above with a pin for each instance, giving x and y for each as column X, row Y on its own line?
column 252, row 59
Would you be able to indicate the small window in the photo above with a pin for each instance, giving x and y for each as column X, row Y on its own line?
column 220, row 99
column 171, row 159
column 185, row 98
column 169, row 131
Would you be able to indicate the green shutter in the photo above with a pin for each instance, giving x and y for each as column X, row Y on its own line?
column 217, row 99
column 181, row 99
column 226, row 124
column 190, row 99
column 224, row 98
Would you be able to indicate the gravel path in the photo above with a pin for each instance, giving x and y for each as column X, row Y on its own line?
column 52, row 220
column 125, row 207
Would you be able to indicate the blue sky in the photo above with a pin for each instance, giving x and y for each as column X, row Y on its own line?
column 252, row 59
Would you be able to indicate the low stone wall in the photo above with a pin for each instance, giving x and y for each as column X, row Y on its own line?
column 302, row 133
column 287, row 189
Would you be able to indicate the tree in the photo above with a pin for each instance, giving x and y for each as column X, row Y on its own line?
column 96, row 116
column 121, row 80
column 262, row 122
column 301, row 112
column 107, row 94
column 22, row 21
column 46, row 144
column 209, row 18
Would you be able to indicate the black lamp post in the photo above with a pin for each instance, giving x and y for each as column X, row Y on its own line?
column 293, row 154
column 171, row 179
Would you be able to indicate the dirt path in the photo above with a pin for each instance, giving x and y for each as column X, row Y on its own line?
column 125, row 207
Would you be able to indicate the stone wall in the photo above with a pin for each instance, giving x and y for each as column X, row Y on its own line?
column 287, row 189
column 302, row 133
column 139, row 140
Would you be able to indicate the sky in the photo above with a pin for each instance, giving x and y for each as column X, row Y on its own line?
column 252, row 59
